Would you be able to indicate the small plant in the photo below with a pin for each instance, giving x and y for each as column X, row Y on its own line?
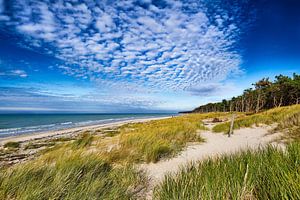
column 216, row 120
column 84, row 141
column 13, row 145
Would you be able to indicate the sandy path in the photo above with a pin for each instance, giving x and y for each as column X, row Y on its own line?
column 42, row 135
column 216, row 144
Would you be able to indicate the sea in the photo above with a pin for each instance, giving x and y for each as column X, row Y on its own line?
column 19, row 124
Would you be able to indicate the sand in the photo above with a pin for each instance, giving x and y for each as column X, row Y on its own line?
column 216, row 144
column 48, row 134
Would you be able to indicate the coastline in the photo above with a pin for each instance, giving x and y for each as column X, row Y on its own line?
column 71, row 131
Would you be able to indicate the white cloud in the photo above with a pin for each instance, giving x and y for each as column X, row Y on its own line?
column 14, row 73
column 160, row 47
column 105, row 23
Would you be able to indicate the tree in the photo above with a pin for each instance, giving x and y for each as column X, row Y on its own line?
column 261, row 87
column 282, row 91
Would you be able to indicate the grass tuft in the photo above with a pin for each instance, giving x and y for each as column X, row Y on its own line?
column 267, row 173
column 84, row 140
column 13, row 145
column 60, row 175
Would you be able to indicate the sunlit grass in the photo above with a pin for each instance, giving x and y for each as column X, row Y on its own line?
column 100, row 166
column 263, row 174
column 151, row 141
column 61, row 174
column 276, row 115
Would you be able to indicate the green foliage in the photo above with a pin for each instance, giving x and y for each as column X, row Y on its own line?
column 84, row 140
column 13, row 145
column 61, row 175
column 266, row 94
column 268, row 173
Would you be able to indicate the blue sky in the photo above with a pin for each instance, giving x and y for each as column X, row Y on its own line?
column 140, row 56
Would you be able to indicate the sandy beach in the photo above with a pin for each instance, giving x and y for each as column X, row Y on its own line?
column 70, row 131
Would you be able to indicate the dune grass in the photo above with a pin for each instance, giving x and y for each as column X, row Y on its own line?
column 84, row 140
column 61, row 175
column 13, row 145
column 276, row 115
column 268, row 173
column 290, row 125
column 82, row 169
column 151, row 141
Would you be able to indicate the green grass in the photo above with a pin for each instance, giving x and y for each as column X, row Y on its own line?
column 85, row 169
column 13, row 145
column 84, row 140
column 264, row 174
column 276, row 115
column 290, row 126
column 61, row 175
column 151, row 141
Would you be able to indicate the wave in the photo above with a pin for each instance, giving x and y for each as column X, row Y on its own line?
column 63, row 125
column 66, row 123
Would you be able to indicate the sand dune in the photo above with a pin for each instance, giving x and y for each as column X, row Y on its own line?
column 215, row 145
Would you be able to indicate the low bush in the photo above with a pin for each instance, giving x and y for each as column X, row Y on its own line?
column 13, row 145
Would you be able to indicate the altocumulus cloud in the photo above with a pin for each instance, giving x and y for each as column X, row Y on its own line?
column 169, row 45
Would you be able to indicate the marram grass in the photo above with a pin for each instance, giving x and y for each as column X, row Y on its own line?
column 267, row 173
column 276, row 115
column 61, row 175
column 78, row 170
column 144, row 142
column 151, row 141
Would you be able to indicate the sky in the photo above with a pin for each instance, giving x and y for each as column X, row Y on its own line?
column 139, row 56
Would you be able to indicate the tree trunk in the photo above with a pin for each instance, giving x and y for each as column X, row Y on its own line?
column 258, row 102
column 280, row 102
column 243, row 104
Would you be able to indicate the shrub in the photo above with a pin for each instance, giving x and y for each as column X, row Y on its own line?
column 13, row 145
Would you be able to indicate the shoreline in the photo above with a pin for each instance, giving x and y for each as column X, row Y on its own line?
column 73, row 130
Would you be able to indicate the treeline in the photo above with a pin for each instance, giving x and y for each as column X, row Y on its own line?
column 264, row 94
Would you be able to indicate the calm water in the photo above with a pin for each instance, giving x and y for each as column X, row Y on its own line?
column 16, row 124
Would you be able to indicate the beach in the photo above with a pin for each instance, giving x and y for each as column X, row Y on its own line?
column 145, row 151
column 71, row 131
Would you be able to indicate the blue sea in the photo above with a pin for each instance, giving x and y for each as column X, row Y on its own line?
column 18, row 124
